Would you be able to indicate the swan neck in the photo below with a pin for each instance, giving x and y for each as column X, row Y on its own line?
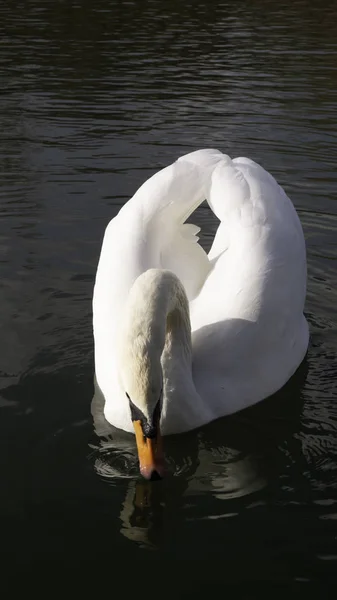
column 155, row 354
column 158, row 312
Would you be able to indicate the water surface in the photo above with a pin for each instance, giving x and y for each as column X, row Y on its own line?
column 95, row 97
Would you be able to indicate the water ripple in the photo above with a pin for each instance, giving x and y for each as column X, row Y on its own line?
column 95, row 96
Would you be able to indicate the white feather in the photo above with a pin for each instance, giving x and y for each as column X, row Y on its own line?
column 246, row 298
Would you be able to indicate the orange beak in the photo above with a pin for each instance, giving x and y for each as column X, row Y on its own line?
column 150, row 453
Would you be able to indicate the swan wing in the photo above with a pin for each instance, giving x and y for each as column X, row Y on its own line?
column 249, row 332
column 148, row 232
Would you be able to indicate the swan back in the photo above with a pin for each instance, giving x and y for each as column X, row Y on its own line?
column 253, row 335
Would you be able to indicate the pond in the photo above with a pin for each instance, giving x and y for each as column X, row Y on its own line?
column 96, row 97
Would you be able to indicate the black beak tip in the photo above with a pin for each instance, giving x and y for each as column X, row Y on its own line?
column 155, row 476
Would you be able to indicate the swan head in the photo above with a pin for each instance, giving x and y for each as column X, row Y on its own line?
column 142, row 380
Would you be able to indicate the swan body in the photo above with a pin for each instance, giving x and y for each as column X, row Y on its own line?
column 211, row 334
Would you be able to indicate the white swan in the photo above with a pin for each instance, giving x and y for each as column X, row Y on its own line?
column 181, row 337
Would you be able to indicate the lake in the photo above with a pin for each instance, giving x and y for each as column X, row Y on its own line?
column 96, row 97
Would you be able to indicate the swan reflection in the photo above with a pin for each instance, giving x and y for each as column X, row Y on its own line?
column 198, row 464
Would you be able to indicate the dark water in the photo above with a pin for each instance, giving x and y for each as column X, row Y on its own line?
column 96, row 96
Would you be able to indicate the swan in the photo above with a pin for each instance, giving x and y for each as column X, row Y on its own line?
column 183, row 337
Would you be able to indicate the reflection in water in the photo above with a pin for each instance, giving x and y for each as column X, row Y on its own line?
column 228, row 460
column 142, row 514
column 232, row 475
column 96, row 96
column 148, row 506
